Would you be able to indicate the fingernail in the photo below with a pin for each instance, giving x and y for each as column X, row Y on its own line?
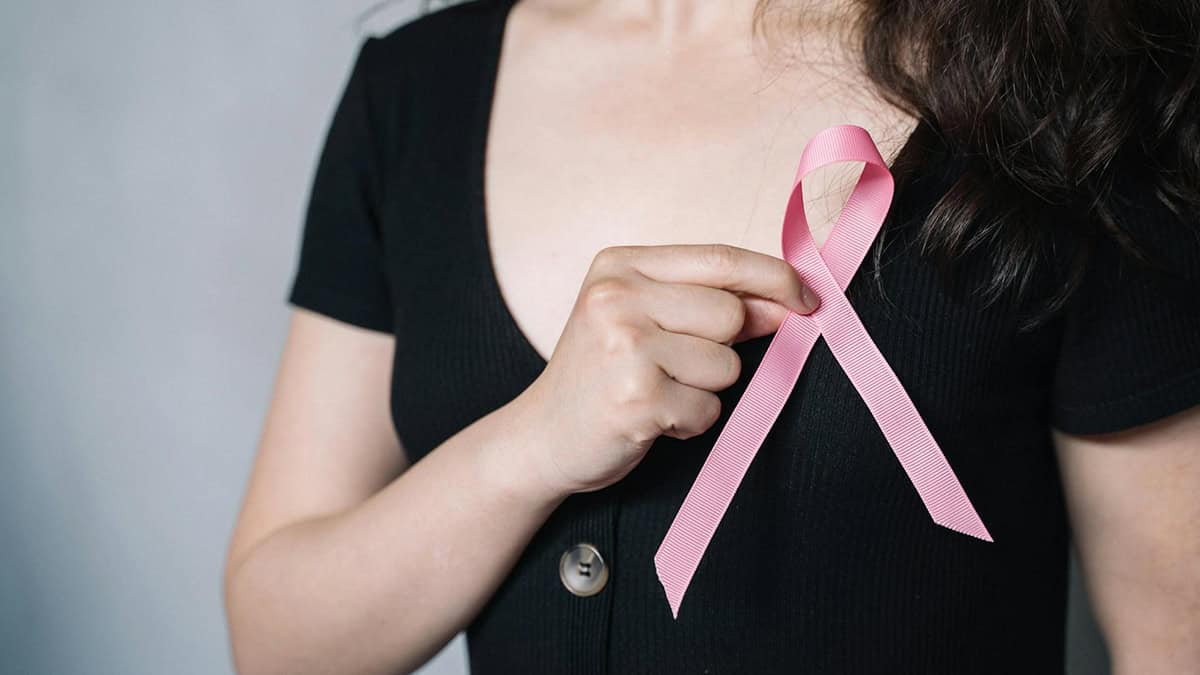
column 811, row 301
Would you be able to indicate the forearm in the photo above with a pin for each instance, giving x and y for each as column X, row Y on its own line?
column 382, row 587
column 1156, row 627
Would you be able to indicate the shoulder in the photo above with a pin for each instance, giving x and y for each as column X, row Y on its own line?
column 427, row 71
column 441, row 38
column 1161, row 237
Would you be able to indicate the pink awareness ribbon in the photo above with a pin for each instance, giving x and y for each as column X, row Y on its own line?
column 828, row 272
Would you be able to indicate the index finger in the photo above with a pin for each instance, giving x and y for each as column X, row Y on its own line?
column 724, row 266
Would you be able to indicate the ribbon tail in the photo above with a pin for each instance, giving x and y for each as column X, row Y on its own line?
column 898, row 419
column 752, row 418
column 689, row 535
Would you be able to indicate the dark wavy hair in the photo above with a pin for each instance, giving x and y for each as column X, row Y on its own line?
column 1060, row 109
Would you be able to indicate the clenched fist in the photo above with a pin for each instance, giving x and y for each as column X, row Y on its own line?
column 647, row 344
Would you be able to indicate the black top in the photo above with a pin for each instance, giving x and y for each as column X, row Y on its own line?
column 827, row 561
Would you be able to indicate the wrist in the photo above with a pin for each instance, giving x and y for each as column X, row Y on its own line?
column 513, row 462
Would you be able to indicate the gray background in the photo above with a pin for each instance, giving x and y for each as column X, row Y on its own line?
column 154, row 163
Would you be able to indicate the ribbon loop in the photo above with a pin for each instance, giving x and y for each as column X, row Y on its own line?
column 828, row 271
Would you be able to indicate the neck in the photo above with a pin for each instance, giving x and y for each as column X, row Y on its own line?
column 673, row 22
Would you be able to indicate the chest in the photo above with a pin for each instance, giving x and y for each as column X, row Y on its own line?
column 596, row 145
column 496, row 203
column 584, row 154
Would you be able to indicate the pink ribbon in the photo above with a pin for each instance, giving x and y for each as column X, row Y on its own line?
column 828, row 272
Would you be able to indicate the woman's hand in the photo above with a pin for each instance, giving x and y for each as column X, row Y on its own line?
column 646, row 345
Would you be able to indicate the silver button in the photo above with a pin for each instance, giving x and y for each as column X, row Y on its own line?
column 582, row 570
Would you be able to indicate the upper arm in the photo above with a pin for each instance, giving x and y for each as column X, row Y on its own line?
column 1126, row 423
column 328, row 442
column 1133, row 498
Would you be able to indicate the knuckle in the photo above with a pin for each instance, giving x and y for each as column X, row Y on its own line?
column 672, row 425
column 675, row 425
column 610, row 257
column 720, row 257
column 623, row 338
column 643, row 434
column 605, row 293
column 634, row 388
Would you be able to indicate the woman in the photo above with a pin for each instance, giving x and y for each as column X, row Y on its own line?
column 559, row 357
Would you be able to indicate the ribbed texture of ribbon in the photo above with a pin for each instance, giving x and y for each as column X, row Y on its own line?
column 828, row 272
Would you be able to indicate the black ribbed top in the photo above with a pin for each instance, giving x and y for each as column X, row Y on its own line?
column 826, row 561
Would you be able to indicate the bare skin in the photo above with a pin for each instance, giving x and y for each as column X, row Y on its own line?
column 325, row 574
column 626, row 137
column 611, row 128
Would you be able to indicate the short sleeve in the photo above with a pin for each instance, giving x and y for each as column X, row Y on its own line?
column 1130, row 350
column 341, row 271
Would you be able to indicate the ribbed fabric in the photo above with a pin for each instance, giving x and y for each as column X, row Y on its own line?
column 827, row 269
column 826, row 560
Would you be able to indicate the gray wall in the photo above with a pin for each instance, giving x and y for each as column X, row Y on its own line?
column 154, row 161
column 155, row 158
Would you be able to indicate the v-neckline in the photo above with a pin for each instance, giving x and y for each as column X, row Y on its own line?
column 489, row 75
